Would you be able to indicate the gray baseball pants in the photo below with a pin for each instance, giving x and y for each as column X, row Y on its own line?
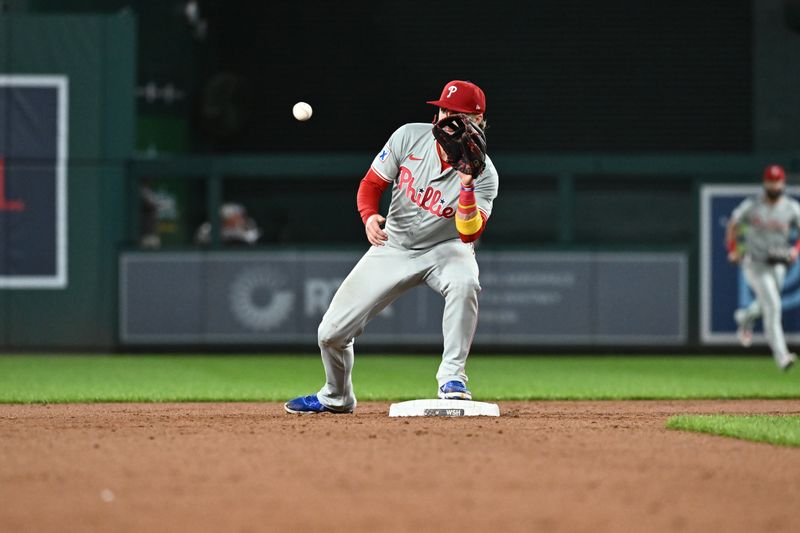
column 767, row 281
column 380, row 277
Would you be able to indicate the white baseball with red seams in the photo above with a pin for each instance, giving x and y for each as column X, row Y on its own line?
column 302, row 111
column 423, row 247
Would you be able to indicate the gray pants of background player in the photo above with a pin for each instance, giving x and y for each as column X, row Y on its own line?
column 380, row 277
column 767, row 281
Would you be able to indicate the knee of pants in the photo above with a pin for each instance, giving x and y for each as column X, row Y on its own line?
column 462, row 289
column 328, row 335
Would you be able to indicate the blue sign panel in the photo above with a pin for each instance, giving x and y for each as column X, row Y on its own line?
column 723, row 287
column 33, row 159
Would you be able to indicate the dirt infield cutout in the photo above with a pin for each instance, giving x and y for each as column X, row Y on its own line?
column 548, row 466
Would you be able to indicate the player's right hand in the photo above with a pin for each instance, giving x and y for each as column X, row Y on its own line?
column 734, row 256
column 375, row 234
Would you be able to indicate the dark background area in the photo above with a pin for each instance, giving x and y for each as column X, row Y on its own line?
column 606, row 119
column 563, row 78
column 560, row 75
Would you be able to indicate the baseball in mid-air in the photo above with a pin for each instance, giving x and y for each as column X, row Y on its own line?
column 302, row 111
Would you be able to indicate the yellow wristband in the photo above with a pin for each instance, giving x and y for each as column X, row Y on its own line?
column 471, row 226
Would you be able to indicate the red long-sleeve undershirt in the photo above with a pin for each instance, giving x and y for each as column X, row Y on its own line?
column 369, row 196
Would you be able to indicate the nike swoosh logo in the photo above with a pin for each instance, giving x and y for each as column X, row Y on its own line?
column 412, row 158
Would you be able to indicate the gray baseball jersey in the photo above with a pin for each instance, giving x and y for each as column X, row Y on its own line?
column 768, row 225
column 424, row 196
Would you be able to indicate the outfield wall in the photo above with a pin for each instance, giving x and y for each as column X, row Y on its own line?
column 220, row 298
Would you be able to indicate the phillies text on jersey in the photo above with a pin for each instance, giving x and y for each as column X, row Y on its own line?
column 425, row 196
column 768, row 224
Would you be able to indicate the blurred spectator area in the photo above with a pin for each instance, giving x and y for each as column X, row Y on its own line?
column 604, row 116
column 552, row 202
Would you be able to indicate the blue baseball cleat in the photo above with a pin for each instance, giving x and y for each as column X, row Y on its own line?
column 309, row 404
column 454, row 390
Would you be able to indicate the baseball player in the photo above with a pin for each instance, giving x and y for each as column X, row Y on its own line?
column 769, row 218
column 443, row 186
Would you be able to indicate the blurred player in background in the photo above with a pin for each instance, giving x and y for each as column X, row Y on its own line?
column 769, row 219
column 435, row 215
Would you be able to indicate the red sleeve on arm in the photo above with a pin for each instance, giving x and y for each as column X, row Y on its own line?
column 466, row 197
column 474, row 236
column 369, row 194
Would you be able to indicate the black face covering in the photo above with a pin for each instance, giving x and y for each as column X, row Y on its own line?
column 773, row 195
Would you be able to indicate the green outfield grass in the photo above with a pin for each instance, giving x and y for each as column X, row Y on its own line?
column 165, row 378
column 782, row 430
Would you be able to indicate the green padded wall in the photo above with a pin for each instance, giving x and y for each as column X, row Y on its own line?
column 97, row 54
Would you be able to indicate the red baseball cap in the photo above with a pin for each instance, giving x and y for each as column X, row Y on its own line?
column 462, row 96
column 774, row 173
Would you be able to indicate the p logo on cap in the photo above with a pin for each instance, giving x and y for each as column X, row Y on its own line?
column 462, row 97
column 774, row 173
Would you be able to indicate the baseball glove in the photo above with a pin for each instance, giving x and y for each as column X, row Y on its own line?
column 463, row 142
column 779, row 256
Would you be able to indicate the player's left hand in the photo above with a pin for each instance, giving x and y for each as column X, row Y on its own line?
column 793, row 255
column 466, row 180
column 463, row 142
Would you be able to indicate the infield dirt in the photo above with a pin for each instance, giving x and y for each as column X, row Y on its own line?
column 541, row 466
